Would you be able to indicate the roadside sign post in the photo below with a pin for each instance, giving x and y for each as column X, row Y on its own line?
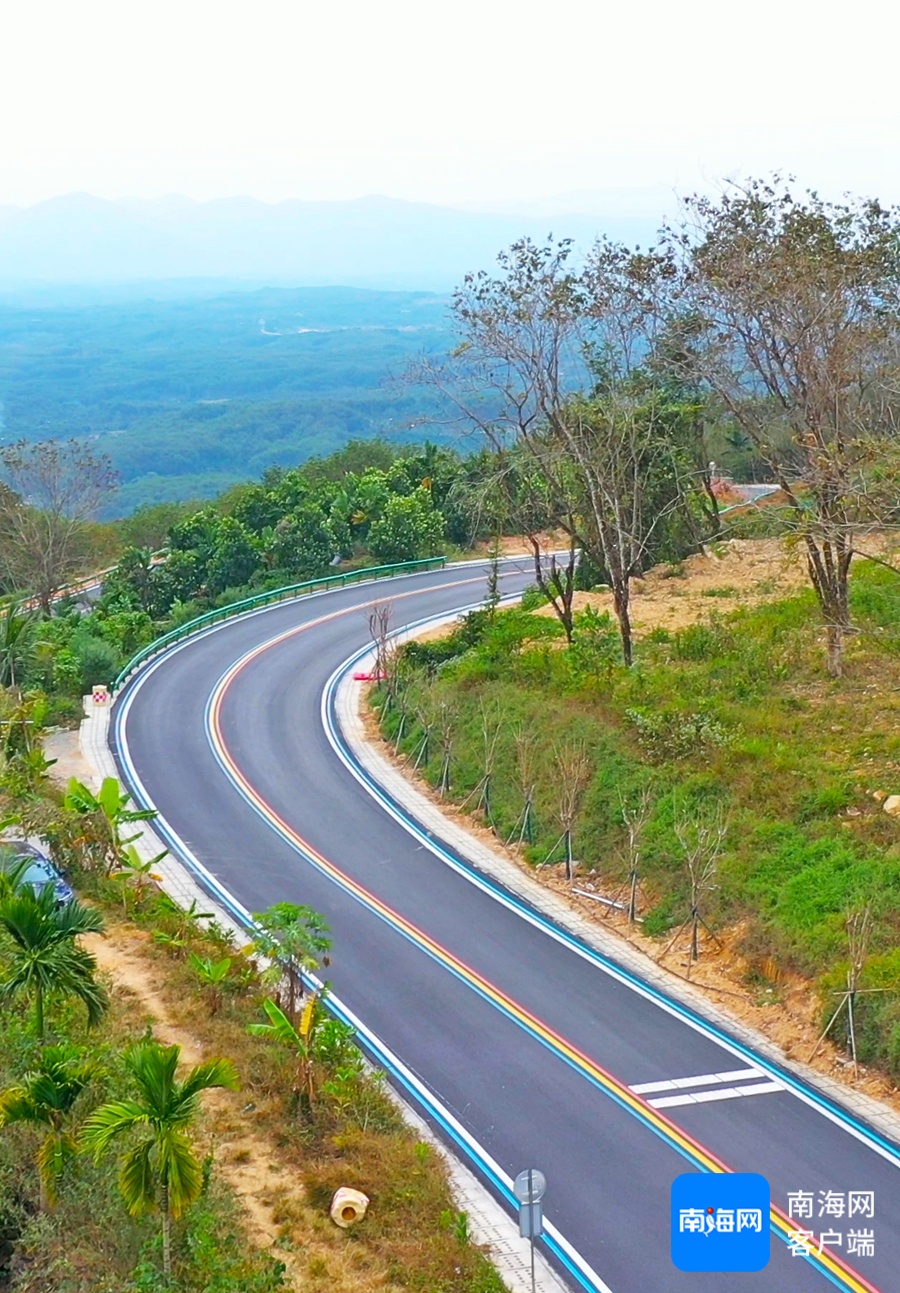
column 529, row 1187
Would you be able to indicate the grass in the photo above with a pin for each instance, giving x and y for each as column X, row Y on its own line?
column 736, row 711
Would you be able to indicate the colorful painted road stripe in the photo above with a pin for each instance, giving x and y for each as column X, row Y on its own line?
column 833, row 1267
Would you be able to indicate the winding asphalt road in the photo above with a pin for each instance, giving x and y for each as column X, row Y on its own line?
column 526, row 1044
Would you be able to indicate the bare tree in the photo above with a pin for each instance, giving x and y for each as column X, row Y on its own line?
column 795, row 304
column 387, row 656
column 532, row 337
column 445, row 722
column 859, row 933
column 53, row 488
column 574, row 769
column 527, row 772
column 702, row 838
column 635, row 816
column 491, row 727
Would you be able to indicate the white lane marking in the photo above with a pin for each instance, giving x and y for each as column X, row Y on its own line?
column 704, row 1079
column 722, row 1093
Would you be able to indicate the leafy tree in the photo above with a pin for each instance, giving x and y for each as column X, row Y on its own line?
column 178, row 579
column 45, row 960
column 256, row 507
column 46, row 1097
column 302, row 542
column 161, row 1170
column 132, row 580
column 148, row 526
column 235, row 557
column 197, row 533
column 53, row 488
column 297, row 939
column 409, row 528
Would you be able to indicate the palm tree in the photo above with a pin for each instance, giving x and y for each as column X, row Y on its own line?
column 16, row 642
column 161, row 1170
column 12, row 871
column 46, row 1097
column 45, row 959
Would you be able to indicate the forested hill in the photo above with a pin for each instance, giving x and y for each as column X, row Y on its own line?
column 193, row 393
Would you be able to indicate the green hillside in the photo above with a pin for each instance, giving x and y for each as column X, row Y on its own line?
column 190, row 395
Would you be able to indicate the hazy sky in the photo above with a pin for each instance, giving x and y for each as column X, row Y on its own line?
column 463, row 101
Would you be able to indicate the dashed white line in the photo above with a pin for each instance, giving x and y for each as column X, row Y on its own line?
column 717, row 1080
column 703, row 1079
column 722, row 1093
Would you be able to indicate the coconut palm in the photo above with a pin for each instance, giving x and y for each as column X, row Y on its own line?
column 12, row 871
column 46, row 1097
column 45, row 959
column 17, row 628
column 161, row 1170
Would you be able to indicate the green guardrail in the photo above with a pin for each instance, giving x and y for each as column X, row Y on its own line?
column 268, row 599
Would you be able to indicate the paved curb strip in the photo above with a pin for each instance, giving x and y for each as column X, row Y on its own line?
column 348, row 702
column 489, row 1224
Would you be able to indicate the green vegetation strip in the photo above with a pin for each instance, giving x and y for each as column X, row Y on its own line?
column 268, row 599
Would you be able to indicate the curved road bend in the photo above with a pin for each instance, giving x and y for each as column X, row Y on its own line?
column 534, row 1044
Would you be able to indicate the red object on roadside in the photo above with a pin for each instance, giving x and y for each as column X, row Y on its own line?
column 369, row 677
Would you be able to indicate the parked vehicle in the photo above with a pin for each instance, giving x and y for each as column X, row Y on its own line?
column 33, row 869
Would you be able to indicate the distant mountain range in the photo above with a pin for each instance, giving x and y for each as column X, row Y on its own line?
column 374, row 242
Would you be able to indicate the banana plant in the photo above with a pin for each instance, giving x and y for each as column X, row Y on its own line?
column 133, row 873
column 109, row 806
column 212, row 975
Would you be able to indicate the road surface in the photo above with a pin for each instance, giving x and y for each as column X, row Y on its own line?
column 535, row 1050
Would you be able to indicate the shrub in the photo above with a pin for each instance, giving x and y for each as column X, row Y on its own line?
column 596, row 646
column 666, row 734
column 532, row 598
